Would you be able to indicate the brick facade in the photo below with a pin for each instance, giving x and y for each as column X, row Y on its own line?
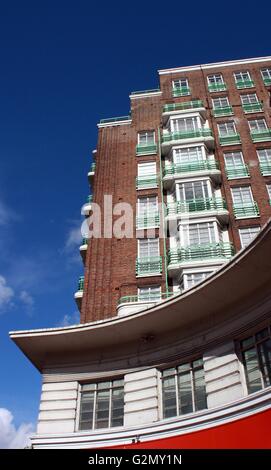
column 110, row 263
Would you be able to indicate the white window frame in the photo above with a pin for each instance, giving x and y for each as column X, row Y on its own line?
column 179, row 85
column 248, row 97
column 149, row 287
column 216, row 78
column 267, row 71
column 242, row 198
column 180, row 193
column 226, row 124
column 145, row 133
column 232, row 155
column 244, row 75
column 241, row 231
column 146, row 165
column 150, row 241
column 195, row 146
column 195, row 119
column 147, row 212
column 257, row 125
column 205, row 272
column 220, row 99
column 268, row 189
column 185, row 235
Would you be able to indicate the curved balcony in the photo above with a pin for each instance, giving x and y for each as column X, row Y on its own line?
column 80, row 291
column 83, row 248
column 91, row 172
column 134, row 303
column 187, row 137
column 207, row 167
column 199, row 207
column 199, row 255
column 87, row 206
column 183, row 108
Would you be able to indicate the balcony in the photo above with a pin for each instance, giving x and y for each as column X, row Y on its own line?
column 199, row 207
column 115, row 119
column 265, row 168
column 261, row 135
column 225, row 111
column 181, row 91
column 91, row 172
column 200, row 168
column 236, row 172
column 214, row 87
column 189, row 137
column 146, row 182
column 197, row 255
column 79, row 293
column 230, row 139
column 267, row 81
column 183, row 108
column 151, row 266
column 83, row 248
column 146, row 149
column 146, row 92
column 134, row 303
column 252, row 108
column 246, row 211
column 240, row 84
column 147, row 221
column 87, row 206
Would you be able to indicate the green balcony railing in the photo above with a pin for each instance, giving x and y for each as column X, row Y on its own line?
column 143, row 92
column 200, row 252
column 244, row 84
column 267, row 81
column 84, row 241
column 196, row 205
column 265, row 168
column 148, row 220
column 115, row 119
column 183, row 106
column 89, row 199
column 230, row 139
column 92, row 167
column 149, row 297
column 187, row 135
column 252, row 107
column 81, row 283
column 187, row 167
column 148, row 266
column 146, row 149
column 239, row 171
column 181, row 91
column 143, row 182
column 212, row 87
column 225, row 111
column 261, row 135
column 246, row 210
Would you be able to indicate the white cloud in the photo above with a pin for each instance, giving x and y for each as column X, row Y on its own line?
column 10, row 436
column 26, row 298
column 68, row 320
column 74, row 238
column 6, row 292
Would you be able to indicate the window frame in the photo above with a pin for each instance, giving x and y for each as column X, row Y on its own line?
column 243, row 245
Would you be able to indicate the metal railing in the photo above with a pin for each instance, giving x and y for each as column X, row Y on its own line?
column 246, row 210
column 155, row 297
column 183, row 106
column 239, row 171
column 252, row 107
column 201, row 252
column 150, row 265
column 143, row 182
column 196, row 205
column 115, row 119
column 229, row 139
column 181, row 91
column 244, row 84
column 186, row 135
column 265, row 168
column 212, row 87
column 148, row 220
column 261, row 135
column 201, row 165
column 223, row 111
column 145, row 149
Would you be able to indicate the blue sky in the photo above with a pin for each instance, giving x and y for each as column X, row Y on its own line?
column 65, row 65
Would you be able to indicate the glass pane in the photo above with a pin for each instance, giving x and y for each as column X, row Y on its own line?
column 199, row 390
column 102, row 409
column 185, row 393
column 169, row 397
column 265, row 361
column 252, row 370
column 86, row 411
column 117, row 412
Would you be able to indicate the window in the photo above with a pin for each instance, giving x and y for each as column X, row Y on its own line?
column 102, row 405
column 249, row 99
column 148, row 248
column 198, row 234
column 188, row 155
column 221, row 102
column 257, row 125
column 146, row 169
column 235, row 166
column 192, row 279
column 149, row 293
column 256, row 355
column 193, row 190
column 215, row 79
column 247, row 234
column 268, row 187
column 242, row 196
column 183, row 389
column 147, row 205
column 180, row 83
column 146, row 138
column 266, row 75
column 226, row 128
column 147, row 177
column 180, row 87
column 264, row 156
column 242, row 76
column 185, row 124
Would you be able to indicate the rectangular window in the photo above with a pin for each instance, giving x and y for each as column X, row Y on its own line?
column 149, row 293
column 148, row 248
column 226, row 128
column 193, row 279
column 242, row 196
column 264, row 156
column 242, row 76
column 220, row 102
column 147, row 205
column 249, row 99
column 215, row 79
column 185, row 124
column 257, row 125
column 180, row 83
column 268, row 187
column 146, row 169
column 247, row 234
column 183, row 389
column 199, row 234
column 146, row 138
column 147, row 177
column 256, row 355
column 266, row 75
column 188, row 155
column 193, row 190
column 101, row 405
column 235, row 166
